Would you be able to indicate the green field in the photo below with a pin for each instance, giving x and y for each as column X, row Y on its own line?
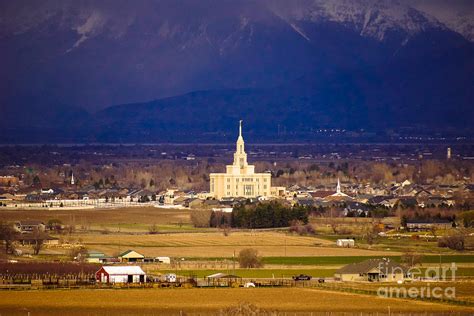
column 332, row 260
column 340, row 260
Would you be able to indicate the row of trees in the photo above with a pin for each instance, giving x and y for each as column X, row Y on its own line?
column 261, row 215
column 267, row 215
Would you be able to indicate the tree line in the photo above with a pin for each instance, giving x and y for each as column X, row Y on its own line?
column 260, row 215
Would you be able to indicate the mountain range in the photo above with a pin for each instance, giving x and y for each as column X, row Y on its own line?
column 146, row 71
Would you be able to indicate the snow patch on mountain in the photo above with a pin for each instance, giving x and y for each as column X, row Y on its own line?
column 370, row 18
column 92, row 25
column 459, row 17
column 300, row 32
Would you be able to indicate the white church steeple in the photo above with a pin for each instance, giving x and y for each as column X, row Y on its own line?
column 339, row 192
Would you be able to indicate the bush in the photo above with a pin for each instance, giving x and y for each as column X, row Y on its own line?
column 245, row 309
column 454, row 242
column 248, row 258
column 153, row 229
column 344, row 231
column 467, row 219
column 55, row 224
column 300, row 229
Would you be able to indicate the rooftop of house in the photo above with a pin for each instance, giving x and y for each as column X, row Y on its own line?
column 30, row 223
column 383, row 265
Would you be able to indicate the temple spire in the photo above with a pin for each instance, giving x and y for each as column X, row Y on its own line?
column 240, row 128
column 338, row 188
column 240, row 157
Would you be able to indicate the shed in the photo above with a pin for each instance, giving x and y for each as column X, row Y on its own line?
column 120, row 274
column 222, row 279
column 163, row 260
column 347, row 243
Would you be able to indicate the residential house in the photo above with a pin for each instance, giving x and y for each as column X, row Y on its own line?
column 372, row 270
column 29, row 239
column 356, row 209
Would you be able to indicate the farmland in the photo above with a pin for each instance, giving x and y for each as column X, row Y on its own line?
column 131, row 219
column 200, row 252
column 215, row 244
column 115, row 230
column 174, row 301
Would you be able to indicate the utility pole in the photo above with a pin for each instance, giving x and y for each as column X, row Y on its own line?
column 233, row 263
column 440, row 269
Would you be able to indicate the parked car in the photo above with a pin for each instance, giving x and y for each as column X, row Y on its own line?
column 302, row 277
column 321, row 280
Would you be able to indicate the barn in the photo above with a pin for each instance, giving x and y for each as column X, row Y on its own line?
column 120, row 274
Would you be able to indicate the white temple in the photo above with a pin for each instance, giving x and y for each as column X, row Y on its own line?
column 240, row 179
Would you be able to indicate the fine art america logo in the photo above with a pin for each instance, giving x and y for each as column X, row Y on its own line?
column 430, row 274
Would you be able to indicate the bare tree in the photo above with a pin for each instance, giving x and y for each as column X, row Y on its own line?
column 38, row 240
column 371, row 234
column 249, row 258
column 411, row 258
column 8, row 235
column 201, row 218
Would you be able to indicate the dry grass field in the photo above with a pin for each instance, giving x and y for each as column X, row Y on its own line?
column 464, row 289
column 125, row 219
column 207, row 301
column 215, row 244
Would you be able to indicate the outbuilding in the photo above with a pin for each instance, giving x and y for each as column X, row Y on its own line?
column 131, row 256
column 347, row 243
column 120, row 274
column 166, row 260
